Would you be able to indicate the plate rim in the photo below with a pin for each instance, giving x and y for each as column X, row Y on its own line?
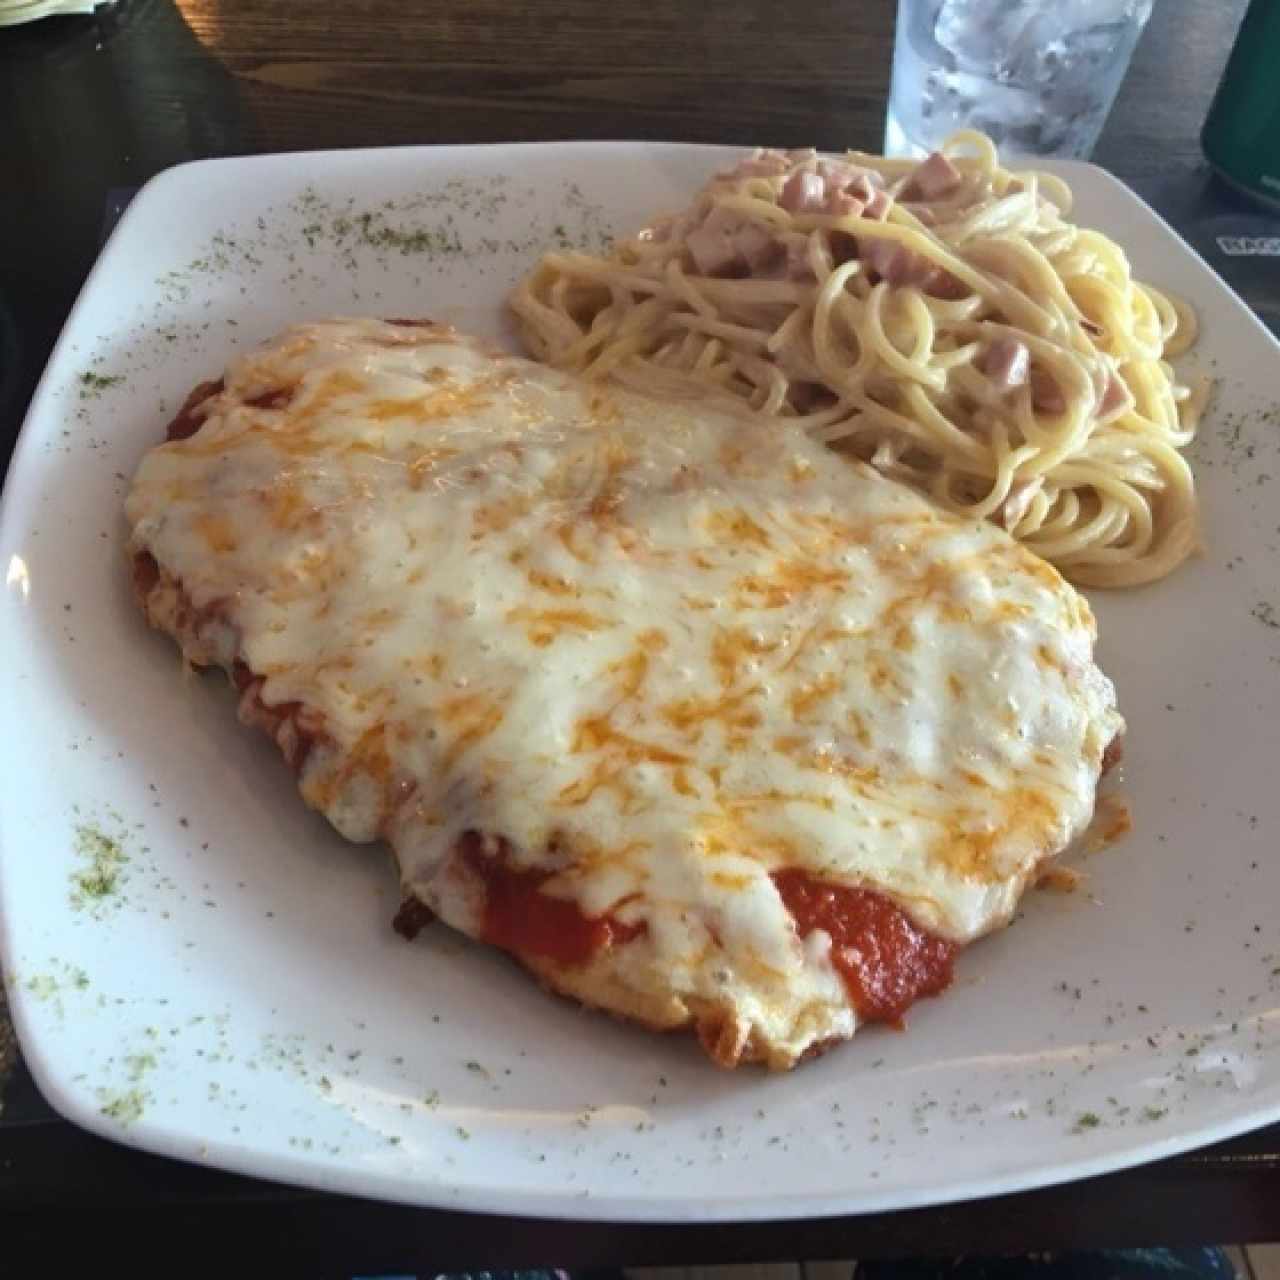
column 510, row 1199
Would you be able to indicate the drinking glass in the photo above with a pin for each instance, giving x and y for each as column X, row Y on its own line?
column 1038, row 76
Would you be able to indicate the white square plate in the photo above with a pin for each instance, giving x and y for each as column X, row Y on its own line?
column 238, row 995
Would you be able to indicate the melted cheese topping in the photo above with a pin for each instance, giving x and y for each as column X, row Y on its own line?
column 662, row 651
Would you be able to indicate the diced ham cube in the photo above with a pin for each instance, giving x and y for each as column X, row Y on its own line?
column 721, row 220
column 933, row 178
column 1006, row 362
column 727, row 244
column 938, row 283
column 894, row 264
column 888, row 259
column 879, row 205
column 1046, row 395
column 843, row 205
column 874, row 197
column 803, row 193
column 898, row 266
column 713, row 251
column 754, row 245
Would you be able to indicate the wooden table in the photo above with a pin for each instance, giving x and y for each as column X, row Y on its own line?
column 88, row 106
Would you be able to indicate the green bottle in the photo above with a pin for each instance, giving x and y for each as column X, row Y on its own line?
column 1241, row 137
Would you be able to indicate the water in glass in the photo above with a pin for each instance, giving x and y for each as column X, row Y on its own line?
column 1039, row 76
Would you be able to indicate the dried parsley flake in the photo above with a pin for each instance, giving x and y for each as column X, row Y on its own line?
column 93, row 384
column 105, row 860
column 125, row 1107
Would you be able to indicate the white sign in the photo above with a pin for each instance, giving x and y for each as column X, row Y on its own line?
column 1250, row 246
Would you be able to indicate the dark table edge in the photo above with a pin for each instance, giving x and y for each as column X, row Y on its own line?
column 73, row 1197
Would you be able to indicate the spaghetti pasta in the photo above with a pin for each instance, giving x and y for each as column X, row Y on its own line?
column 942, row 320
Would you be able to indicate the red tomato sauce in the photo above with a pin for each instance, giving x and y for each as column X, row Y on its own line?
column 886, row 961
column 519, row 917
column 187, row 423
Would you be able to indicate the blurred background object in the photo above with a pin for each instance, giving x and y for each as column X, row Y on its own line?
column 1242, row 134
column 1037, row 76
column 13, row 12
